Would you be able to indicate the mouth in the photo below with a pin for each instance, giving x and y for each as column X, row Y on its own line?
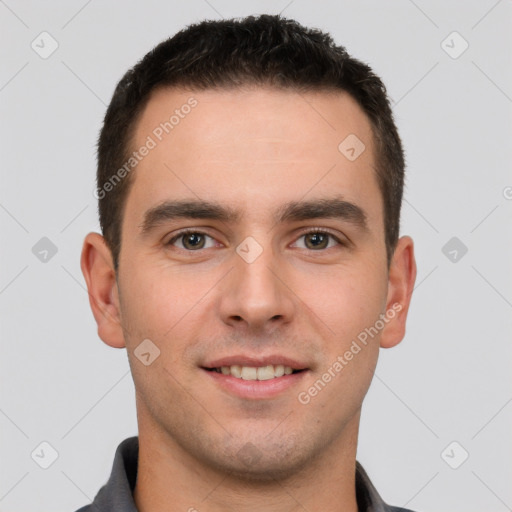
column 267, row 372
column 255, row 378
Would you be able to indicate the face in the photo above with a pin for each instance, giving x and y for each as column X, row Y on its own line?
column 282, row 269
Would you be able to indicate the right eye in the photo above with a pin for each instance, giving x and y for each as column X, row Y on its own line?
column 191, row 240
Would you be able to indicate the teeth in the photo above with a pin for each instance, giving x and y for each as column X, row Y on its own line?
column 252, row 373
column 249, row 373
column 279, row 370
column 236, row 371
column 266, row 373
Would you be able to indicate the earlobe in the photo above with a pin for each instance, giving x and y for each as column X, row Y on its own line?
column 98, row 270
column 402, row 275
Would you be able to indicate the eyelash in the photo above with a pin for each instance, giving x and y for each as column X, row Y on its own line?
column 187, row 231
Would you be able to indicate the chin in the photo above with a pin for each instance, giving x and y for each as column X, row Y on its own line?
column 261, row 462
column 263, row 472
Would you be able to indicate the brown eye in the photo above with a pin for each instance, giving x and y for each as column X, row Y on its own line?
column 193, row 241
column 317, row 240
column 190, row 240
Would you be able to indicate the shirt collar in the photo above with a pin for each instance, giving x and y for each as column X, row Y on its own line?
column 117, row 493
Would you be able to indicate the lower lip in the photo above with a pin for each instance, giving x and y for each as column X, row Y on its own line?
column 256, row 389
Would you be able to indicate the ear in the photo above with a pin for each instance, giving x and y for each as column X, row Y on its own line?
column 401, row 278
column 98, row 269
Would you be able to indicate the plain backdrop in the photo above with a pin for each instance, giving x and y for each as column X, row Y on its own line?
column 436, row 423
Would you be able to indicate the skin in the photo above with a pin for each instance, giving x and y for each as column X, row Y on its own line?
column 252, row 149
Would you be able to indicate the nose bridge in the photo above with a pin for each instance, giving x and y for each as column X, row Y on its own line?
column 255, row 293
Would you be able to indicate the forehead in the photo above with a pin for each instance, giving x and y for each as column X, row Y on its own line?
column 219, row 117
column 257, row 147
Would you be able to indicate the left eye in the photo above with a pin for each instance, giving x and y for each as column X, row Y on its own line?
column 318, row 239
column 196, row 240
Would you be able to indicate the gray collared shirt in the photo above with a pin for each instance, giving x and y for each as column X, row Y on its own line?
column 117, row 494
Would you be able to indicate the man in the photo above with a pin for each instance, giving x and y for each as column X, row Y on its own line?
column 250, row 179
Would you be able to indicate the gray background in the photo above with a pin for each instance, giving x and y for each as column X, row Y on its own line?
column 449, row 380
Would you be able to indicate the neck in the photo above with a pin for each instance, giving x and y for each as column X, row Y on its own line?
column 170, row 479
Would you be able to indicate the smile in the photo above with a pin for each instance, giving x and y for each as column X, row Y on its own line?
column 255, row 373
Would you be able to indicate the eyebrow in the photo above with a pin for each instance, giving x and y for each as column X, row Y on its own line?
column 327, row 208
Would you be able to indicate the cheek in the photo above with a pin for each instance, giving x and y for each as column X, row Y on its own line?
column 167, row 307
column 348, row 301
column 157, row 297
column 350, row 351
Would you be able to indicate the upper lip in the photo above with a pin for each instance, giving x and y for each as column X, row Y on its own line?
column 256, row 361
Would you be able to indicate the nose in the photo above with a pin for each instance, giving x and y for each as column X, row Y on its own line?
column 255, row 294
